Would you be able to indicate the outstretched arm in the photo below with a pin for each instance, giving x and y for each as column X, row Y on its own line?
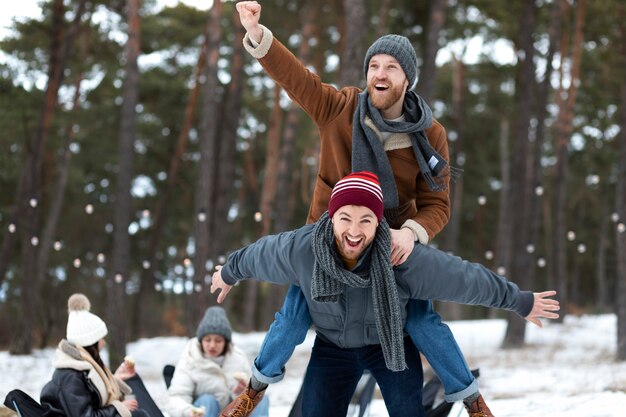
column 543, row 307
column 430, row 274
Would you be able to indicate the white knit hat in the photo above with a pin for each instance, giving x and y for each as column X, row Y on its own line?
column 83, row 328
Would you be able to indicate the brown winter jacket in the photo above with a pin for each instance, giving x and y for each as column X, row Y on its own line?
column 332, row 110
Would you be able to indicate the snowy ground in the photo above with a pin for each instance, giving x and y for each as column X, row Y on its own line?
column 566, row 370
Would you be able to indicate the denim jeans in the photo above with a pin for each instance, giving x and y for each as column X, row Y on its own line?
column 333, row 374
column 436, row 342
column 288, row 330
column 210, row 404
column 212, row 407
column 432, row 337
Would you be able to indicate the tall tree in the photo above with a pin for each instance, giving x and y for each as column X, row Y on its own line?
column 524, row 95
column 620, row 207
column 119, row 273
column 268, row 197
column 31, row 186
column 566, row 98
column 204, row 209
column 58, row 196
column 223, row 235
column 557, row 14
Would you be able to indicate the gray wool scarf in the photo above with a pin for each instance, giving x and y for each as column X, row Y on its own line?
column 330, row 276
column 368, row 153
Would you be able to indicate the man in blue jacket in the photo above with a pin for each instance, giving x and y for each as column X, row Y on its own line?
column 357, row 301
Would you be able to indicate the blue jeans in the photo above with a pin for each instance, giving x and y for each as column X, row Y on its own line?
column 288, row 330
column 212, row 407
column 433, row 338
column 437, row 343
column 333, row 374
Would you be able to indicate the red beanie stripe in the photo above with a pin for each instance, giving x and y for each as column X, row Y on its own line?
column 359, row 188
column 364, row 185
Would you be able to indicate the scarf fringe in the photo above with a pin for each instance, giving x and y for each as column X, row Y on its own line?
column 455, row 173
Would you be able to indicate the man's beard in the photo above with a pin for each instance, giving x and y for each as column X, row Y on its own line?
column 394, row 93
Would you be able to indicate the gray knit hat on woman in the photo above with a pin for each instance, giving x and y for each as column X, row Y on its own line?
column 398, row 47
column 214, row 322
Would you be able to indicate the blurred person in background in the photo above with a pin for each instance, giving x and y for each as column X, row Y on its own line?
column 211, row 371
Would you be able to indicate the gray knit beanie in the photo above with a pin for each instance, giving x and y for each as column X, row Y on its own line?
column 398, row 47
column 214, row 322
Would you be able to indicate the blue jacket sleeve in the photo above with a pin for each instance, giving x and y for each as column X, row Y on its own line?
column 276, row 258
column 430, row 274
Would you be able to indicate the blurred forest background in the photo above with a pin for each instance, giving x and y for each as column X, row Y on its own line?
column 141, row 144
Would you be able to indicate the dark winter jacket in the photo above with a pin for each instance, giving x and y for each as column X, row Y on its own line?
column 77, row 390
column 427, row 274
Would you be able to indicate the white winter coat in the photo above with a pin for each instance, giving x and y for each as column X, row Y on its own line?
column 196, row 375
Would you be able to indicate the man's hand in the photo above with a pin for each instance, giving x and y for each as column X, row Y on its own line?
column 249, row 15
column 543, row 307
column 218, row 283
column 402, row 245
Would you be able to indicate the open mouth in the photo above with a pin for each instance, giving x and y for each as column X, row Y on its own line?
column 381, row 87
column 352, row 242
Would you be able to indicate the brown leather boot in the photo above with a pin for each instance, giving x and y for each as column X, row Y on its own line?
column 478, row 408
column 243, row 405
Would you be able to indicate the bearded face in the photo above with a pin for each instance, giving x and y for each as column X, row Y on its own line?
column 354, row 228
column 384, row 95
column 386, row 85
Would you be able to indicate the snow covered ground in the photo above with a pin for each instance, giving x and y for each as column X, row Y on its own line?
column 566, row 370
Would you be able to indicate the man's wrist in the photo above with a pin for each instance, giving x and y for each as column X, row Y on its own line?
column 256, row 36
column 258, row 49
column 419, row 233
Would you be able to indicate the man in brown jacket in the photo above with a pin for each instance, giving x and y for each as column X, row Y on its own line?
column 386, row 129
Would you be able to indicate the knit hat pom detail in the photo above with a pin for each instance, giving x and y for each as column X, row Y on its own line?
column 78, row 302
column 83, row 327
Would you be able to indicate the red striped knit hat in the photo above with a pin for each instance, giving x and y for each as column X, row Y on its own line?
column 359, row 189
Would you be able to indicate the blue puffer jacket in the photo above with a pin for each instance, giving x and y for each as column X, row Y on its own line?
column 428, row 274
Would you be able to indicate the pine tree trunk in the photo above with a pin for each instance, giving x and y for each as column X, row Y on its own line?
column 228, row 149
column 123, row 209
column 537, row 202
column 525, row 86
column 272, row 150
column 428, row 69
column 564, row 128
column 207, row 169
column 353, row 42
column 383, row 14
column 30, row 198
column 620, row 208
